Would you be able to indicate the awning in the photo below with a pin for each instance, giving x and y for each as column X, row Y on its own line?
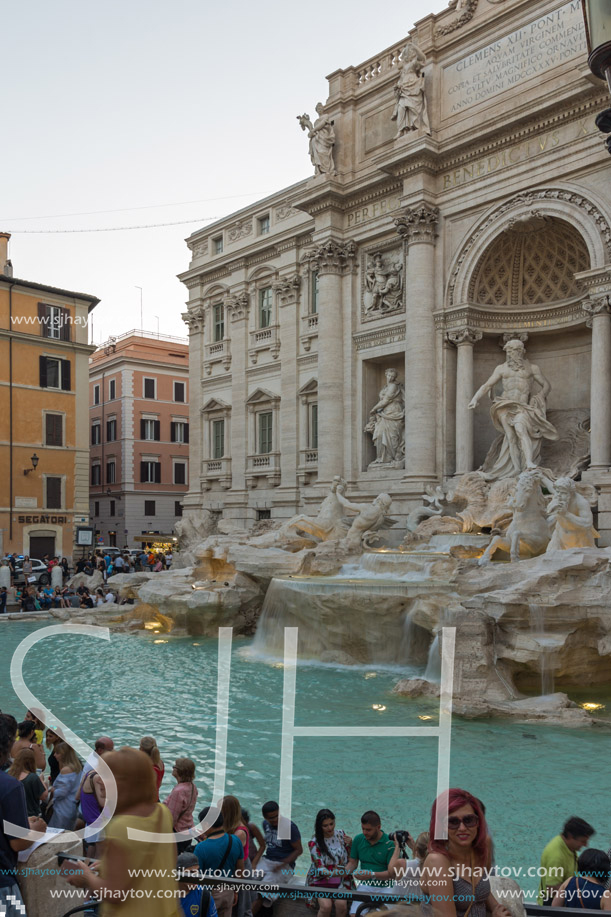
column 154, row 536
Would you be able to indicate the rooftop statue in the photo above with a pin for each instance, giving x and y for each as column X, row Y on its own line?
column 519, row 413
column 410, row 110
column 322, row 141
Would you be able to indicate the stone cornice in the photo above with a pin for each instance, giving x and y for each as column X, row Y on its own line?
column 497, row 321
column 596, row 281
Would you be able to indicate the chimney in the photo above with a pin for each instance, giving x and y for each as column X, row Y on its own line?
column 4, row 237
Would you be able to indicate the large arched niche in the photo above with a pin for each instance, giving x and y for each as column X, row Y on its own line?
column 564, row 203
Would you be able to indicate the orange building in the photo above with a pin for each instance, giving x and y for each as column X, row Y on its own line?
column 44, row 445
column 139, row 437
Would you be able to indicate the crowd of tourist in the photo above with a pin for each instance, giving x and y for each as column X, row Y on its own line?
column 448, row 878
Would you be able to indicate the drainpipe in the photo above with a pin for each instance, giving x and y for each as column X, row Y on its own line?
column 10, row 410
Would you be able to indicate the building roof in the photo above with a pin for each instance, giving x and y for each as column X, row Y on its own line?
column 16, row 281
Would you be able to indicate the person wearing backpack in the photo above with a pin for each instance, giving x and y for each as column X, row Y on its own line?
column 197, row 900
column 221, row 855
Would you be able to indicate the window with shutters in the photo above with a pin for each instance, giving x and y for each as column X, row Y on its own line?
column 149, row 507
column 218, row 439
column 313, row 426
column 112, row 390
column 53, row 492
column 54, row 373
column 265, row 307
column 179, row 392
column 179, row 431
column 150, row 472
column 314, row 293
column 96, row 394
column 180, row 473
column 96, row 434
column 54, row 322
column 149, row 388
column 265, row 432
column 96, row 475
column 150, row 429
column 111, row 472
column 111, row 430
column 218, row 322
column 264, row 225
column 54, row 430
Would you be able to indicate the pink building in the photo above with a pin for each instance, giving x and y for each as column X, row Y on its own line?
column 139, row 435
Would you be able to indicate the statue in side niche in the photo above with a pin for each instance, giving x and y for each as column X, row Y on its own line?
column 387, row 423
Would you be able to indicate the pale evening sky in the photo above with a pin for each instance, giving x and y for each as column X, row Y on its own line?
column 127, row 106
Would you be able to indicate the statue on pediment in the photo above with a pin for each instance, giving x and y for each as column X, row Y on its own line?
column 411, row 109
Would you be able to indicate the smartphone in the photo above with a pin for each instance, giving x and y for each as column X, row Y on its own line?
column 72, row 858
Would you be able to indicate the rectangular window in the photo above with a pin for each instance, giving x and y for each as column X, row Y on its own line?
column 149, row 507
column 218, row 439
column 96, row 394
column 264, row 225
column 314, row 293
column 263, row 514
column 177, row 508
column 112, row 539
column 54, row 373
column 112, row 390
column 111, row 511
column 313, row 427
column 149, row 388
column 54, row 425
column 180, row 473
column 217, row 245
column 265, row 307
column 179, row 431
column 218, row 321
column 111, row 472
column 265, row 433
column 150, row 430
column 150, row 472
column 111, row 430
column 53, row 493
column 54, row 322
column 96, row 475
column 179, row 392
column 96, row 434
column 96, row 508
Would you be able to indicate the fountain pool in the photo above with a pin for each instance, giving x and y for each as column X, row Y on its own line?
column 528, row 776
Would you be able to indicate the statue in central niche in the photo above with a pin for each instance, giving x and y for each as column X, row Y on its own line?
column 519, row 413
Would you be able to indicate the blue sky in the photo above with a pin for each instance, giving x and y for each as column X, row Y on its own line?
column 126, row 106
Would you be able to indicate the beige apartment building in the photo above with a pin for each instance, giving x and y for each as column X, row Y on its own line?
column 139, row 436
column 462, row 199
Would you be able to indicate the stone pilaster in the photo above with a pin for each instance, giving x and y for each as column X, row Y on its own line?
column 286, row 290
column 237, row 308
column 417, row 226
column 599, row 310
column 332, row 259
column 464, row 339
column 194, row 319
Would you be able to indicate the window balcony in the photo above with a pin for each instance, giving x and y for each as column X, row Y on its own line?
column 263, row 466
column 264, row 339
column 216, row 470
column 217, row 352
column 309, row 330
column 308, row 465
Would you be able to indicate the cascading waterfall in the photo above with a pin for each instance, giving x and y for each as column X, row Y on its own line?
column 546, row 644
column 433, row 665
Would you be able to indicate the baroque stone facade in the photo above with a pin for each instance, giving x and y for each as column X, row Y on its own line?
column 422, row 253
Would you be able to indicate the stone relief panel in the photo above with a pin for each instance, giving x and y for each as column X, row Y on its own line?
column 240, row 230
column 382, row 283
column 285, row 211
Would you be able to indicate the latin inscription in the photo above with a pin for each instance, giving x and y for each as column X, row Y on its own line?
column 372, row 211
column 525, row 54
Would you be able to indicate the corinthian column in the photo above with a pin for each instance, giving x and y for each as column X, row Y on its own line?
column 195, row 321
column 418, row 228
column 599, row 310
column 332, row 260
column 464, row 339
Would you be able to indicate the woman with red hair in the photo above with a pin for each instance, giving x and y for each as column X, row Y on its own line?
column 454, row 875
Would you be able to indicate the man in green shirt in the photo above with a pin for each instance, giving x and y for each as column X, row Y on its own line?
column 373, row 849
column 559, row 858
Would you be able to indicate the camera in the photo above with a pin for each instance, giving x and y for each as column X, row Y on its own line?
column 402, row 838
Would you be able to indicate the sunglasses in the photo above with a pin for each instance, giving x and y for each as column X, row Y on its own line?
column 469, row 821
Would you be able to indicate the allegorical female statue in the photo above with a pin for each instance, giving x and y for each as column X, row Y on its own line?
column 322, row 141
column 387, row 423
column 410, row 110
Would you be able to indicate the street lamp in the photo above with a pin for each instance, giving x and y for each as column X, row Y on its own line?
column 597, row 16
column 34, row 461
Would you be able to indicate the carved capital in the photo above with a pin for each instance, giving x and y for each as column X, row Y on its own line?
column 194, row 320
column 238, row 306
column 418, row 224
column 332, row 257
column 513, row 336
column 465, row 336
column 596, row 305
column 287, row 289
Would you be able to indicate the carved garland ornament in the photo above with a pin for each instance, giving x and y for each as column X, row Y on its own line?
column 418, row 224
column 467, row 13
column 527, row 198
column 332, row 257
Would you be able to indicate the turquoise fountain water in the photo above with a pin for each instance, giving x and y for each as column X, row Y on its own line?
column 528, row 776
